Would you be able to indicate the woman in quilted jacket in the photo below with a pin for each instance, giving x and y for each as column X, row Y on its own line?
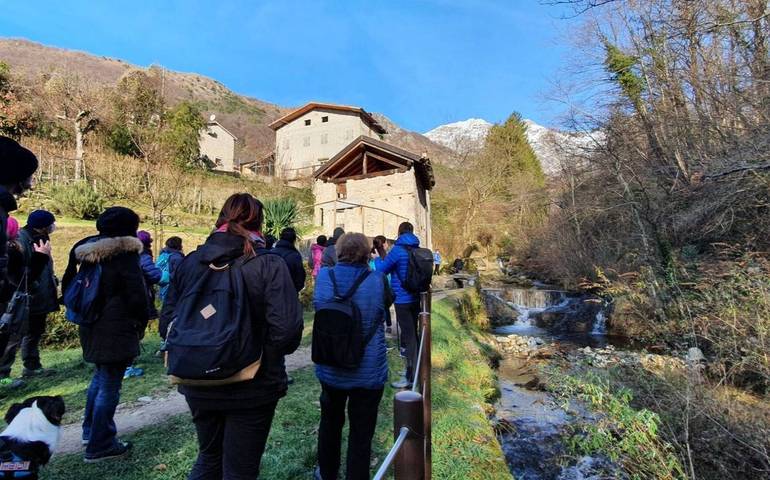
column 361, row 388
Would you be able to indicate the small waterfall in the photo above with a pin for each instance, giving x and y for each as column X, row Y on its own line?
column 600, row 324
column 533, row 298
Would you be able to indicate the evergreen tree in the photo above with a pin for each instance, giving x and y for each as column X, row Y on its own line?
column 507, row 143
column 182, row 134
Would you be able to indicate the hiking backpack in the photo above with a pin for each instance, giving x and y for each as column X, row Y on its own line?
column 81, row 295
column 212, row 339
column 419, row 272
column 164, row 266
column 338, row 336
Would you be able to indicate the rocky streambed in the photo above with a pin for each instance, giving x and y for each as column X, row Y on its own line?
column 538, row 328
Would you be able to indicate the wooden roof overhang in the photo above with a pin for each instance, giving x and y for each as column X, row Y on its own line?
column 366, row 157
column 295, row 114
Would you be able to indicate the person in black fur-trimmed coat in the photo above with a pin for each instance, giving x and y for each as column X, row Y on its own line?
column 112, row 341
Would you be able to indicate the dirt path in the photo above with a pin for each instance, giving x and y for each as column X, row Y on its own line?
column 152, row 411
column 156, row 410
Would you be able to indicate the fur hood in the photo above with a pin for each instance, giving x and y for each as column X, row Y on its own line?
column 101, row 249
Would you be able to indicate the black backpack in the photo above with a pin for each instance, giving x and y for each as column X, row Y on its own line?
column 419, row 272
column 338, row 336
column 212, row 339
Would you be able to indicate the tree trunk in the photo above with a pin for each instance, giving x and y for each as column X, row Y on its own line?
column 79, row 170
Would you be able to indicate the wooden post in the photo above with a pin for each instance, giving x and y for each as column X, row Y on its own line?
column 334, row 213
column 408, row 412
column 426, row 368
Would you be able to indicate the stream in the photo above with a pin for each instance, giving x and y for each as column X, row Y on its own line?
column 531, row 425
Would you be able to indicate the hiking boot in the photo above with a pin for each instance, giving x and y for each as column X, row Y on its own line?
column 37, row 372
column 401, row 384
column 12, row 383
column 118, row 451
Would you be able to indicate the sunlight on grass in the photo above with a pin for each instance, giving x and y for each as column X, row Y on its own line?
column 465, row 446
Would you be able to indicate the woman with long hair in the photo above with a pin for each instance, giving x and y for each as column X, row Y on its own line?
column 233, row 420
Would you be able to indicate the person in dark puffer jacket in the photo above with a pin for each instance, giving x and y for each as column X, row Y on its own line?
column 152, row 273
column 112, row 341
column 285, row 249
column 233, row 421
column 360, row 388
column 40, row 224
column 17, row 167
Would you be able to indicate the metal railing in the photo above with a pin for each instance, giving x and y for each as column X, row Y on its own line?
column 411, row 455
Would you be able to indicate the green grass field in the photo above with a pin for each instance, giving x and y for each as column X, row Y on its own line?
column 464, row 444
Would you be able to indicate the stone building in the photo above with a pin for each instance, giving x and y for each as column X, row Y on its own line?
column 371, row 187
column 218, row 144
column 308, row 137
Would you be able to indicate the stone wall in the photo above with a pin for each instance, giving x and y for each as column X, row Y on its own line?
column 373, row 206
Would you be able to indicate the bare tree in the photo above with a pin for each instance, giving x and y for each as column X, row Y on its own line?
column 72, row 100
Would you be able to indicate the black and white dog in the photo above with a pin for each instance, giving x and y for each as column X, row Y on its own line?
column 31, row 436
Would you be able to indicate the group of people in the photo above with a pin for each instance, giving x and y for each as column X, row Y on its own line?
column 232, row 420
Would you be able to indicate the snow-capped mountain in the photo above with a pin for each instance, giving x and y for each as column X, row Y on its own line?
column 552, row 147
column 462, row 137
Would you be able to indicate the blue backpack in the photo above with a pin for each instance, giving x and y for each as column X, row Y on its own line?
column 81, row 295
column 165, row 268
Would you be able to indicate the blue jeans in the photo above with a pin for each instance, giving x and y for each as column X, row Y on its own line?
column 101, row 401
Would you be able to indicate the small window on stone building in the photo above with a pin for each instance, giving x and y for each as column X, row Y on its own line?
column 342, row 191
column 307, row 122
column 324, row 138
column 324, row 119
column 306, row 141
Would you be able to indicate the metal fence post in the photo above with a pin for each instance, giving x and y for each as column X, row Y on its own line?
column 408, row 412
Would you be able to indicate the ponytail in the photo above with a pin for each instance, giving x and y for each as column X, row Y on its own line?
column 243, row 214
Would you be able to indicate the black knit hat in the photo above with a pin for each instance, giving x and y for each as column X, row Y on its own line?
column 16, row 162
column 40, row 219
column 118, row 222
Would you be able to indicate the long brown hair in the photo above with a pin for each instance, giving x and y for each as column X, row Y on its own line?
column 243, row 215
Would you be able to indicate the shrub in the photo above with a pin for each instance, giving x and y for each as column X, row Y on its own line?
column 79, row 200
column 59, row 332
column 280, row 213
column 621, row 432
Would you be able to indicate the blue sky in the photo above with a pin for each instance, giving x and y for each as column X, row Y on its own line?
column 421, row 63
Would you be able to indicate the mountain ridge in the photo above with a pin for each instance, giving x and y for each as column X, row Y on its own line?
column 247, row 117
column 552, row 147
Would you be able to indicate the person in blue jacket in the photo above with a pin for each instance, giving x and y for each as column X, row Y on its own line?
column 152, row 275
column 396, row 265
column 360, row 388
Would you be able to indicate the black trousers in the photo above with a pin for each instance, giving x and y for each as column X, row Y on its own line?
column 407, row 317
column 362, row 406
column 231, row 442
column 29, row 343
